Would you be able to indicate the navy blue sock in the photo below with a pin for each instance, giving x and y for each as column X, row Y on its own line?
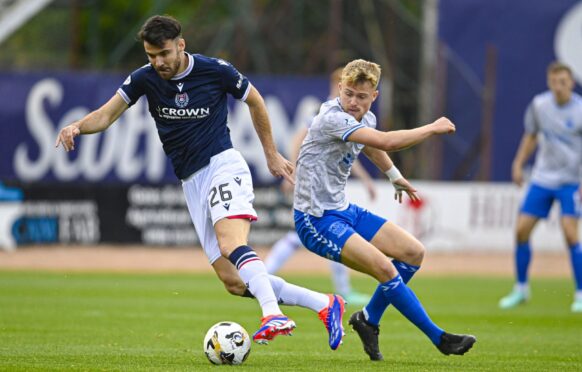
column 522, row 259
column 405, row 301
column 576, row 259
column 378, row 303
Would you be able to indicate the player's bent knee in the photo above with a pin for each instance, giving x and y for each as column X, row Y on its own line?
column 419, row 252
column 413, row 254
column 383, row 270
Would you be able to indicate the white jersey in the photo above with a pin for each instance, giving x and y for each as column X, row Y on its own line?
column 559, row 132
column 325, row 159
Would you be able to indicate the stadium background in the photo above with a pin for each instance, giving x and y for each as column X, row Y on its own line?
column 61, row 59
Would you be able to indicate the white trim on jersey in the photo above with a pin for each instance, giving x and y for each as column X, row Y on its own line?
column 350, row 131
column 245, row 96
column 123, row 96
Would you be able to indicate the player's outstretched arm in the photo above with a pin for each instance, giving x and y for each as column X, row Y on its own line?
column 526, row 148
column 278, row 165
column 96, row 121
column 401, row 139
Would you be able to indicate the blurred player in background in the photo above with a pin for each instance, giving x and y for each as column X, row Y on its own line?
column 187, row 97
column 553, row 124
column 331, row 227
column 285, row 247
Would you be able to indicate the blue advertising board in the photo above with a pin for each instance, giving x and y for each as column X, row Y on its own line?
column 37, row 105
column 528, row 35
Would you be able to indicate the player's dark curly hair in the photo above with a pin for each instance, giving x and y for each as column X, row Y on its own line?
column 157, row 29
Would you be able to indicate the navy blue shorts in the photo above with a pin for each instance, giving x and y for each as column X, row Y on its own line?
column 538, row 200
column 326, row 235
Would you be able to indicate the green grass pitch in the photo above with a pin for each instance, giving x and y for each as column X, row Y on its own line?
column 156, row 322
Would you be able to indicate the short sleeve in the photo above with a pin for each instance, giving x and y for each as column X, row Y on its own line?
column 235, row 83
column 340, row 125
column 530, row 120
column 132, row 88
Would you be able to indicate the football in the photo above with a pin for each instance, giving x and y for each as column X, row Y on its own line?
column 227, row 343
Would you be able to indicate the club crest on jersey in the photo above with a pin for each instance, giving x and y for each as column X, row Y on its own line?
column 182, row 100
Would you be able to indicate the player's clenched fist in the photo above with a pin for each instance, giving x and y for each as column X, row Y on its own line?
column 67, row 137
column 443, row 126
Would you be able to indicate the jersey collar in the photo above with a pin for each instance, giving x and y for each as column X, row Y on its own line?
column 188, row 69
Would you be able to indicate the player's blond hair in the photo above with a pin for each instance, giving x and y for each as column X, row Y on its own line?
column 556, row 67
column 360, row 71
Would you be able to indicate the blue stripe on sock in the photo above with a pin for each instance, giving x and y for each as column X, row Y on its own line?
column 576, row 259
column 522, row 260
column 241, row 254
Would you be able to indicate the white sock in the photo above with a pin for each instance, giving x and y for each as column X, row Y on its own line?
column 282, row 250
column 341, row 278
column 253, row 272
column 291, row 294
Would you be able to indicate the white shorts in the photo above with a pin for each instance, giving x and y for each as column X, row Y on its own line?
column 222, row 189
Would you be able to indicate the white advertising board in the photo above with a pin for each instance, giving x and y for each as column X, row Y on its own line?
column 461, row 216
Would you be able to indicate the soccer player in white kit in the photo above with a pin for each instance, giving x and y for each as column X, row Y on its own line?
column 187, row 97
column 286, row 246
column 553, row 124
column 332, row 227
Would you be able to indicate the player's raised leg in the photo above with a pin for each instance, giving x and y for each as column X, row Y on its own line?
column 330, row 308
column 363, row 256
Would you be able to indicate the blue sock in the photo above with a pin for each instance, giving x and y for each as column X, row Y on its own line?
column 576, row 259
column 522, row 259
column 405, row 270
column 406, row 302
column 378, row 303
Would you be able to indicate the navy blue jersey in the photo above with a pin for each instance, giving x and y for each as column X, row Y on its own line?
column 190, row 110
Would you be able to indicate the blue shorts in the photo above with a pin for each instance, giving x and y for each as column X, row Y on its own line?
column 326, row 235
column 538, row 200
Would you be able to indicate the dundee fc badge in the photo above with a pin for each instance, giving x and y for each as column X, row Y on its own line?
column 182, row 100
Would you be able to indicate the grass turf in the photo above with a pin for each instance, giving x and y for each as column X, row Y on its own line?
column 156, row 322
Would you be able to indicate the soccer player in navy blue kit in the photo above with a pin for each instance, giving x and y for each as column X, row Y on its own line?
column 553, row 124
column 332, row 227
column 187, row 97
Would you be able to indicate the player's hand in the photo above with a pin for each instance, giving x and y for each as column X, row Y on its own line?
column 401, row 186
column 281, row 167
column 67, row 137
column 517, row 175
column 443, row 126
